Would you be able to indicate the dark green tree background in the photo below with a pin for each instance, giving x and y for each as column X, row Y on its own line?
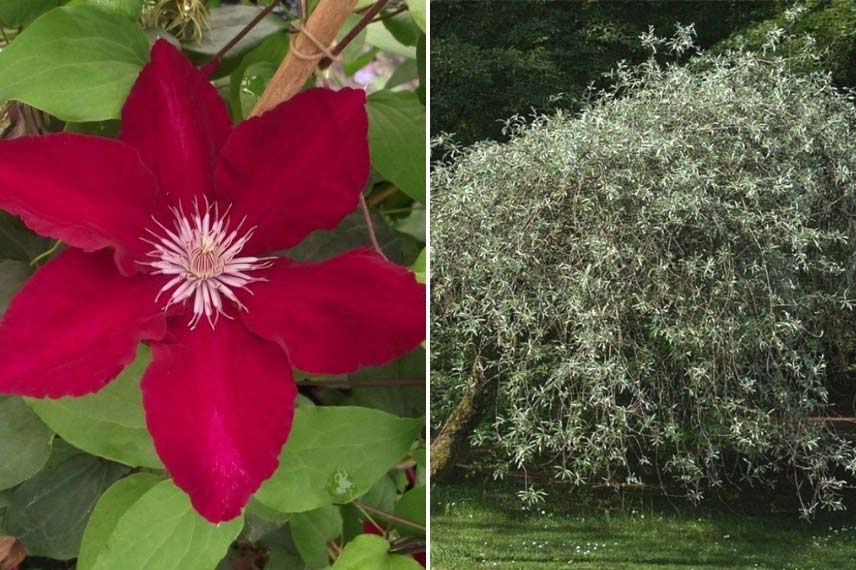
column 494, row 59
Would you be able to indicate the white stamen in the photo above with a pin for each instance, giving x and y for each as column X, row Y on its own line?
column 201, row 252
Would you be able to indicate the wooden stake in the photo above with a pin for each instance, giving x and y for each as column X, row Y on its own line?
column 323, row 25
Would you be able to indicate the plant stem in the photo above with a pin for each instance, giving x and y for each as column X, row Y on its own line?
column 388, row 516
column 381, row 195
column 370, row 226
column 407, row 545
column 349, row 37
column 337, row 550
column 246, row 30
column 406, row 464
column 45, row 254
column 392, row 14
column 369, row 516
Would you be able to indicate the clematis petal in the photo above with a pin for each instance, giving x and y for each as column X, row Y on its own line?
column 297, row 168
column 219, row 405
column 177, row 121
column 89, row 192
column 75, row 325
column 332, row 317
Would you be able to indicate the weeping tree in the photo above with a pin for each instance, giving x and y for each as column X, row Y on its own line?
column 660, row 287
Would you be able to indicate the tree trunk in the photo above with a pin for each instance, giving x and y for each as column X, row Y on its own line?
column 451, row 443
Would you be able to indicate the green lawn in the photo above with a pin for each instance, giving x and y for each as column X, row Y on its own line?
column 481, row 526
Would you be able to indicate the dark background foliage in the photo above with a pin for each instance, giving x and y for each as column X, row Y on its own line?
column 494, row 59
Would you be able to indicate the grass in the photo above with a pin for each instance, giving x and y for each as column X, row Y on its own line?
column 484, row 526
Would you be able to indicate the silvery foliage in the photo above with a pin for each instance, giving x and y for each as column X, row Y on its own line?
column 664, row 283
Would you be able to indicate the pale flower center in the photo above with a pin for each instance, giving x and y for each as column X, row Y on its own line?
column 201, row 253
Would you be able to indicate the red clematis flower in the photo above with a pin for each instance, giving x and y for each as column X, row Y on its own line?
column 187, row 204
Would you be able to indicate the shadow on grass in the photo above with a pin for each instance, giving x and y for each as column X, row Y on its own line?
column 483, row 525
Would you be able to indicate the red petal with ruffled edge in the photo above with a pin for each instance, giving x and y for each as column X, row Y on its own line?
column 297, row 168
column 332, row 317
column 89, row 192
column 75, row 325
column 177, row 121
column 219, row 406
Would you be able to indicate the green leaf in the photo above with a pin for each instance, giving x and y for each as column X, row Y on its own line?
column 419, row 455
column 77, row 63
column 107, row 129
column 355, row 48
column 397, row 140
column 259, row 510
column 363, row 60
column 25, row 442
column 109, row 423
column 272, row 50
column 350, row 233
column 418, row 10
column 352, row 523
column 255, row 527
column 403, row 29
column 422, row 64
column 255, row 80
column 4, row 504
column 411, row 506
column 311, row 531
column 414, row 224
column 261, row 521
column 226, row 22
column 382, row 495
column 380, row 37
column 161, row 531
column 49, row 512
column 108, row 510
column 128, row 8
column 13, row 275
column 407, row 401
column 284, row 559
column 283, row 552
column 406, row 72
column 335, row 454
column 19, row 13
column 371, row 552
column 17, row 241
column 418, row 266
